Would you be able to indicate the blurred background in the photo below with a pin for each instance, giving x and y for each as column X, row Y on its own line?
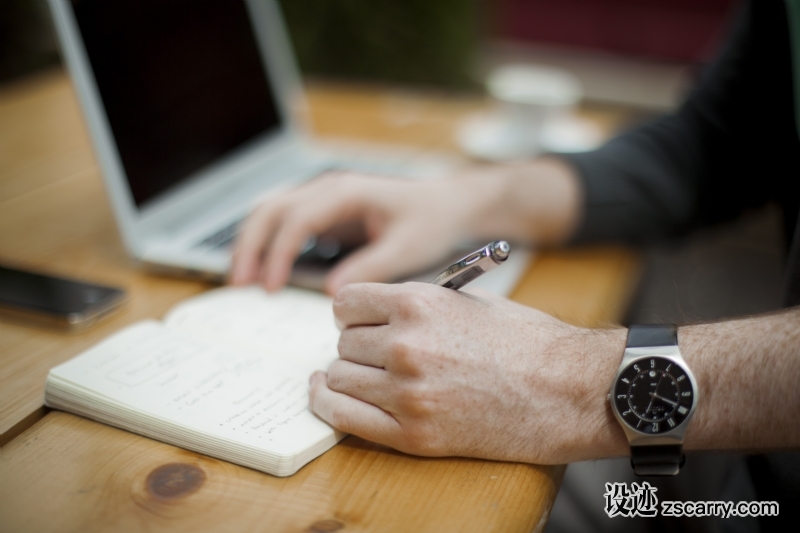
column 637, row 55
column 448, row 43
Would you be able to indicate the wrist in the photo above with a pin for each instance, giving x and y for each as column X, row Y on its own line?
column 549, row 194
column 605, row 349
column 538, row 202
column 602, row 435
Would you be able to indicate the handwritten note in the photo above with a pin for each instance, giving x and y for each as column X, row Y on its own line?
column 231, row 393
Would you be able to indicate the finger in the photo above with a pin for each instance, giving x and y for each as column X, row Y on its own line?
column 365, row 383
column 252, row 241
column 365, row 345
column 363, row 304
column 349, row 414
column 294, row 231
column 381, row 261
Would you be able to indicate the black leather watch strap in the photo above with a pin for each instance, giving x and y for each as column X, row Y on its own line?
column 665, row 460
column 658, row 460
column 646, row 335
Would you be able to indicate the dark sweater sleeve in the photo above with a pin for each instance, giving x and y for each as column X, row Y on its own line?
column 724, row 150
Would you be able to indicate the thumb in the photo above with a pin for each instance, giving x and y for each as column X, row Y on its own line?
column 383, row 260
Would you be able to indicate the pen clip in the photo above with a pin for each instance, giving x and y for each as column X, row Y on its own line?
column 473, row 265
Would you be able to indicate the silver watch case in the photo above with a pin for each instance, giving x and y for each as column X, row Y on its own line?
column 673, row 436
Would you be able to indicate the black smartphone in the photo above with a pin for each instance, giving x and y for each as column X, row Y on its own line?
column 59, row 302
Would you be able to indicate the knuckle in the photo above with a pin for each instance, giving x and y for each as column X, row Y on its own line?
column 350, row 295
column 340, row 419
column 414, row 401
column 294, row 221
column 266, row 209
column 343, row 299
column 405, row 355
column 335, row 376
column 410, row 305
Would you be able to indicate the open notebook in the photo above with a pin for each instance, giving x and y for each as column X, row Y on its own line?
column 224, row 374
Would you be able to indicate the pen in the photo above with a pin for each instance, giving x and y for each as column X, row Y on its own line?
column 473, row 265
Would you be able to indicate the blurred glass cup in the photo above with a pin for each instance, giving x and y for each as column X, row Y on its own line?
column 530, row 98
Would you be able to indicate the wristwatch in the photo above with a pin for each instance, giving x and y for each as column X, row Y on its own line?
column 654, row 396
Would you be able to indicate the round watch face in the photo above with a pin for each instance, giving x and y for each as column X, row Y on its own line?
column 654, row 395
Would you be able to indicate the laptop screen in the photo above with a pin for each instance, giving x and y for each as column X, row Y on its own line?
column 182, row 83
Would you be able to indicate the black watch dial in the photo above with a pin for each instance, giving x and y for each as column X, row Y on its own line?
column 654, row 395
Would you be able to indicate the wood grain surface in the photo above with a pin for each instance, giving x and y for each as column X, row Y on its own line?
column 70, row 474
column 65, row 473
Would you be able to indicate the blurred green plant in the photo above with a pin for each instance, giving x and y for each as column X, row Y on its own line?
column 415, row 42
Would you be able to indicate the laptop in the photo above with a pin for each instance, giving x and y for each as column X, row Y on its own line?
column 189, row 106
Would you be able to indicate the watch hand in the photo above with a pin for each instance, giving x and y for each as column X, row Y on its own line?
column 649, row 405
column 654, row 395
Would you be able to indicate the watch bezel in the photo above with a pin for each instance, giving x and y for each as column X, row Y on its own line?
column 674, row 435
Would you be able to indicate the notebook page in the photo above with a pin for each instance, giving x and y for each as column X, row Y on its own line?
column 227, row 393
column 295, row 323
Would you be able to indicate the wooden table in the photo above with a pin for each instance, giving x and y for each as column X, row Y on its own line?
column 60, row 472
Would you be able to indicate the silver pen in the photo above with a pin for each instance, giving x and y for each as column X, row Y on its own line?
column 473, row 265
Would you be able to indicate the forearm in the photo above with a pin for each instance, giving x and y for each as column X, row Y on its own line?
column 748, row 372
column 748, row 375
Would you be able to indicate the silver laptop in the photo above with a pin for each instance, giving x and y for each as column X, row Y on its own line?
column 188, row 105
column 189, row 108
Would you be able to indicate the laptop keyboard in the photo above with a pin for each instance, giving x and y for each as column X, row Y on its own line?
column 222, row 238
